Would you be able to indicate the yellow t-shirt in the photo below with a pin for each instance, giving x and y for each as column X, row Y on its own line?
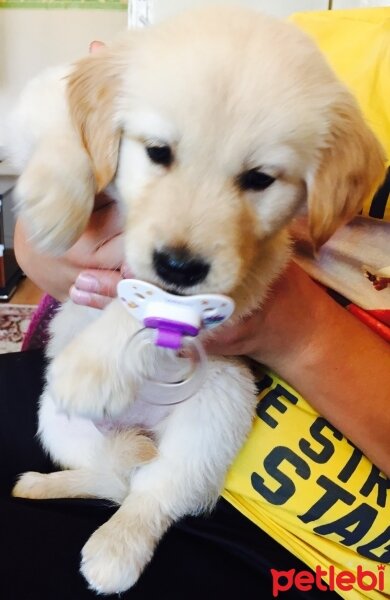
column 357, row 46
column 309, row 488
column 297, row 477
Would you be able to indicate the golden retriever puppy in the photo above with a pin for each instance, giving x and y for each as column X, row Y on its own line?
column 212, row 130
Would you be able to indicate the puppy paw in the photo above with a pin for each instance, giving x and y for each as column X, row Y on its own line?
column 32, row 485
column 113, row 560
column 85, row 382
column 54, row 202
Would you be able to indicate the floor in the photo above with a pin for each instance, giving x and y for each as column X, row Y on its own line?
column 27, row 293
column 15, row 316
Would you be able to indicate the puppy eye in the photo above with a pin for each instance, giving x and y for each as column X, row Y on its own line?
column 161, row 154
column 254, row 180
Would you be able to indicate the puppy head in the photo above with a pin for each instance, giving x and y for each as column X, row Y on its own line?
column 218, row 126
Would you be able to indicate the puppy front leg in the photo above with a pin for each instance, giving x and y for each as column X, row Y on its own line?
column 95, row 376
column 200, row 440
column 55, row 193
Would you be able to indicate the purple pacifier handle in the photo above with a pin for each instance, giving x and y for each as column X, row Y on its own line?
column 170, row 333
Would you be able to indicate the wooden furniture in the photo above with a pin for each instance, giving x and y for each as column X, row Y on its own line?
column 10, row 272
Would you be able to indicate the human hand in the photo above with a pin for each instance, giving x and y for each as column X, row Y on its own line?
column 97, row 256
column 283, row 327
column 90, row 269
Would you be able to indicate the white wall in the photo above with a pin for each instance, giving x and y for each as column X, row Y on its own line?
column 357, row 3
column 165, row 8
column 31, row 40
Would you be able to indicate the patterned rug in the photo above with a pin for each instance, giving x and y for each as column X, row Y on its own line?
column 14, row 321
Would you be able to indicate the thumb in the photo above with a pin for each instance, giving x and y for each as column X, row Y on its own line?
column 95, row 287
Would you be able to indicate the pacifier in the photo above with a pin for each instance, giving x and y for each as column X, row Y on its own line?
column 173, row 360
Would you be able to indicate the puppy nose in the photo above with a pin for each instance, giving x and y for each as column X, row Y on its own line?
column 179, row 267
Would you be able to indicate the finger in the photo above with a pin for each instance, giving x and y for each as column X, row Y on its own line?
column 103, row 282
column 107, row 256
column 126, row 272
column 101, row 245
column 88, row 299
column 110, row 254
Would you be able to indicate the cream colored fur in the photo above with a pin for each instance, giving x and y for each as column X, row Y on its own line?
column 229, row 90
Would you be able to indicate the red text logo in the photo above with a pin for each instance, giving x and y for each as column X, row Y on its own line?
column 363, row 579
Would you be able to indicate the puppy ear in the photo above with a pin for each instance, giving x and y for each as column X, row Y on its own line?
column 350, row 167
column 92, row 89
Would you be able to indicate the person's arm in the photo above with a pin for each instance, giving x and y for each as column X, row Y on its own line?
column 338, row 365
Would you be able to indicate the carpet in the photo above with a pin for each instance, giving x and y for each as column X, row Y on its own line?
column 14, row 322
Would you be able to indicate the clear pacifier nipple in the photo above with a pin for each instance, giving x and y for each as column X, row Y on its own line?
column 169, row 375
column 172, row 359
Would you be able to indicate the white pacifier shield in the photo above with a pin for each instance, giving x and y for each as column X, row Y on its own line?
column 144, row 300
